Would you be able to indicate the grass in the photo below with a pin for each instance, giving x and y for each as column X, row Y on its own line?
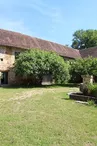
column 45, row 117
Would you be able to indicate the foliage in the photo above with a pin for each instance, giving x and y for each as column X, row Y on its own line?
column 92, row 90
column 74, row 77
column 84, row 39
column 91, row 102
column 37, row 63
column 84, row 66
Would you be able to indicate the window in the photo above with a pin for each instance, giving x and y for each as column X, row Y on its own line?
column 1, row 59
column 16, row 54
column 4, row 79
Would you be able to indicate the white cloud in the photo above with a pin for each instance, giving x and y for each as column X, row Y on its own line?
column 17, row 26
column 53, row 13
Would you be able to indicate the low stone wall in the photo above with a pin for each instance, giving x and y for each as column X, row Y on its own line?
column 81, row 97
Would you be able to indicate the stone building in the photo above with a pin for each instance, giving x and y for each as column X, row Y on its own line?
column 12, row 43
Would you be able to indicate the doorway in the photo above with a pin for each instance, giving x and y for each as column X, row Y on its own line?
column 4, row 79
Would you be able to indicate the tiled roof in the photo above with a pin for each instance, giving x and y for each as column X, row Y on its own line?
column 14, row 39
column 89, row 52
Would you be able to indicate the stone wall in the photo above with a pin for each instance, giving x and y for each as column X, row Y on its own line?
column 7, row 57
column 7, row 60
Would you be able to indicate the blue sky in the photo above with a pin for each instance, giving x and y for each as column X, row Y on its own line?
column 54, row 20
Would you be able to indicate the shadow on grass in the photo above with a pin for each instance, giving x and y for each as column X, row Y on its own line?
column 66, row 98
column 40, row 86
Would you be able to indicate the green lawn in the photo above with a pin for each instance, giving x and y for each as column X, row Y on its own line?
column 45, row 117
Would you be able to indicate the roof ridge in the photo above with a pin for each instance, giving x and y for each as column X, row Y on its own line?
column 20, row 40
column 23, row 34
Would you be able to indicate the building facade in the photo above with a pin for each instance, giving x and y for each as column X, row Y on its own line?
column 12, row 43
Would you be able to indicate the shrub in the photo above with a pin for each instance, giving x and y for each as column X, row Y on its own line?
column 92, row 90
column 91, row 102
column 86, row 66
column 37, row 63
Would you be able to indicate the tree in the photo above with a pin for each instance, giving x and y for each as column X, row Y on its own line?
column 37, row 63
column 86, row 66
column 84, row 39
